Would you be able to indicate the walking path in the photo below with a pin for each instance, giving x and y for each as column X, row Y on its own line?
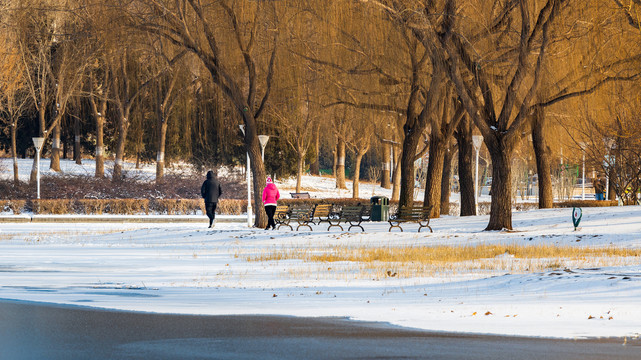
column 75, row 218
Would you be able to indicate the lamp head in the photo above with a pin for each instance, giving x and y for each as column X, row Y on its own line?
column 263, row 140
column 477, row 140
column 37, row 142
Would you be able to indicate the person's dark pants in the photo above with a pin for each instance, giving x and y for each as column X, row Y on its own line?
column 270, row 210
column 210, row 208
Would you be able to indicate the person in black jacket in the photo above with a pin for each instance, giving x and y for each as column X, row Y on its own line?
column 210, row 191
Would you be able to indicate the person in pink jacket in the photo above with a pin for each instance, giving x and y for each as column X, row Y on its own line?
column 270, row 197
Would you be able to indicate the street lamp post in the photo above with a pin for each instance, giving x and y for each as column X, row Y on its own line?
column 609, row 144
column 477, row 140
column 583, row 170
column 249, row 191
column 37, row 142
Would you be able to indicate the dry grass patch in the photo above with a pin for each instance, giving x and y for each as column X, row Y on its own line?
column 427, row 261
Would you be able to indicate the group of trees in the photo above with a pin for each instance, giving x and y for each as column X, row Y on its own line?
column 398, row 78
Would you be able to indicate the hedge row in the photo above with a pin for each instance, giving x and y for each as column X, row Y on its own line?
column 225, row 206
column 585, row 203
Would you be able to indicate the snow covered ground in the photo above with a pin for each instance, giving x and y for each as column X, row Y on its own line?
column 186, row 268
column 87, row 168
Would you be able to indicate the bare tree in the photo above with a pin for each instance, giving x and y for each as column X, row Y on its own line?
column 298, row 118
column 54, row 51
column 14, row 97
column 360, row 141
column 98, row 95
column 441, row 132
column 465, row 166
column 250, row 32
column 167, row 93
column 124, row 96
column 470, row 68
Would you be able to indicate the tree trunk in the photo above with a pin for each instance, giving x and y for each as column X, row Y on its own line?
column 466, row 156
column 446, row 186
column 335, row 162
column 542, row 154
column 123, row 127
column 612, row 191
column 396, row 183
column 160, row 155
column 434, row 176
column 100, row 145
column 407, row 168
column 252, row 146
column 299, row 171
column 14, row 153
column 357, row 175
column 501, row 210
column 314, row 167
column 77, row 154
column 386, row 167
column 65, row 148
column 340, row 166
column 34, row 167
column 55, row 149
column 41, row 133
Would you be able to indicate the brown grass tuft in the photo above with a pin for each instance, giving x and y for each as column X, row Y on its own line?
column 426, row 260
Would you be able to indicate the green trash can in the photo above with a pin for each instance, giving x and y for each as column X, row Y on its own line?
column 380, row 208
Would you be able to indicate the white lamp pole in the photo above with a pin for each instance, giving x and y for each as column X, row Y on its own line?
column 609, row 143
column 249, row 190
column 37, row 143
column 583, row 170
column 477, row 140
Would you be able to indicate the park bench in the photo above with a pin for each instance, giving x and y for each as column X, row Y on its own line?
column 281, row 216
column 416, row 214
column 303, row 216
column 350, row 214
column 322, row 212
column 302, row 195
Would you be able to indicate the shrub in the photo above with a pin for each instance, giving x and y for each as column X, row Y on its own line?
column 15, row 206
column 177, row 206
column 128, row 206
column 52, row 207
column 230, row 207
column 90, row 206
column 585, row 203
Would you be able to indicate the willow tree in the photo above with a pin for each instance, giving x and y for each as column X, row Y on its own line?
column 465, row 146
column 375, row 58
column 499, row 109
column 236, row 43
column 441, row 132
column 584, row 56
